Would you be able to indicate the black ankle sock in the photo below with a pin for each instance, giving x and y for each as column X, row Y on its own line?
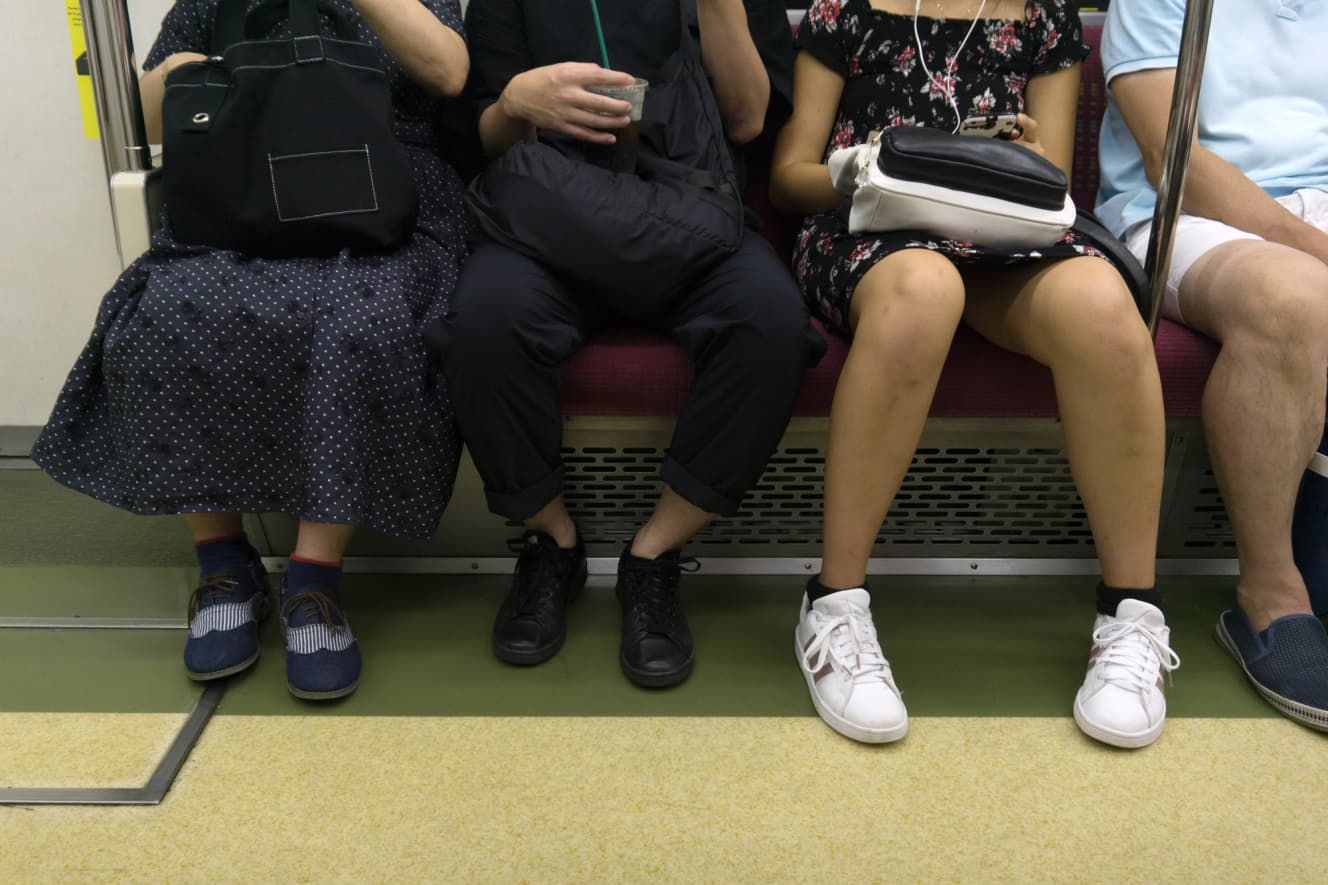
column 815, row 589
column 1108, row 598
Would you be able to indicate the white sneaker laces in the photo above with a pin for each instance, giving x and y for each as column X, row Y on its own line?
column 849, row 643
column 1132, row 655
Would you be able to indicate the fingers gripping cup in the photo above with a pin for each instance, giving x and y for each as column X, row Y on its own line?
column 621, row 155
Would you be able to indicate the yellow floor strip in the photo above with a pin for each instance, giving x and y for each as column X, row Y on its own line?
column 271, row 799
column 83, row 749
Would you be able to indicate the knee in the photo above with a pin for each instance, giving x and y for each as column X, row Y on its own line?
column 1096, row 319
column 492, row 326
column 758, row 324
column 1287, row 318
column 911, row 302
column 784, row 333
column 480, row 312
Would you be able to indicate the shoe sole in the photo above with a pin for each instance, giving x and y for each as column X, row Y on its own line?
column 1128, row 740
column 224, row 672
column 322, row 695
column 529, row 658
column 540, row 655
column 839, row 723
column 653, row 679
column 1310, row 717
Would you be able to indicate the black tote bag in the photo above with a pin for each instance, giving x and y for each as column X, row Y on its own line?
column 631, row 240
column 285, row 148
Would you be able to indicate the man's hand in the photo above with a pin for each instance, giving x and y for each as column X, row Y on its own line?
column 557, row 98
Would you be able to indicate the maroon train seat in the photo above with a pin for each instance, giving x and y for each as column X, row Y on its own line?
column 636, row 373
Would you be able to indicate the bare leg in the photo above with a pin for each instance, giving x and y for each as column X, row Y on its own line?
column 1263, row 407
column 208, row 526
column 554, row 520
column 322, row 542
column 905, row 312
column 672, row 524
column 1077, row 318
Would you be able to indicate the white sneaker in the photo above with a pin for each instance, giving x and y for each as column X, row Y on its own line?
column 1121, row 701
column 848, row 676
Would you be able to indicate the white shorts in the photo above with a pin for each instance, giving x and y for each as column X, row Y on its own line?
column 1195, row 236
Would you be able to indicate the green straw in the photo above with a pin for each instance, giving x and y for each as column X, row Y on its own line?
column 599, row 33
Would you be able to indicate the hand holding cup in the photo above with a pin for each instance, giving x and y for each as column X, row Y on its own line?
column 559, row 98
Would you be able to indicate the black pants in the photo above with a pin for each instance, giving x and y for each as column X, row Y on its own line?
column 513, row 326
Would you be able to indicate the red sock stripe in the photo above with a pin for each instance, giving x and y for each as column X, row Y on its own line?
column 307, row 561
column 238, row 536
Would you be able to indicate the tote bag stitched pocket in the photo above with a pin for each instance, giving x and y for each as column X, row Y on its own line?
column 322, row 184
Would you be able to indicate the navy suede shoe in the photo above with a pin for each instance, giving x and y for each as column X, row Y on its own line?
column 1288, row 663
column 224, row 613
column 322, row 656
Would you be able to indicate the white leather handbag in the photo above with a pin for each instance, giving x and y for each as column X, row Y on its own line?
column 975, row 190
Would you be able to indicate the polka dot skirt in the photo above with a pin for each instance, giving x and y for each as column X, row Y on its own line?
column 215, row 382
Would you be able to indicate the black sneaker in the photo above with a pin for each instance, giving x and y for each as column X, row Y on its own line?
column 656, row 643
column 532, row 621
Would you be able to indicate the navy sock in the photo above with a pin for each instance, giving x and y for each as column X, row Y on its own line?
column 1108, row 598
column 311, row 576
column 217, row 556
column 815, row 589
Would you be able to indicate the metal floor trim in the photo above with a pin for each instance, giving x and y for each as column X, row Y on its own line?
column 777, row 565
column 79, row 623
column 158, row 784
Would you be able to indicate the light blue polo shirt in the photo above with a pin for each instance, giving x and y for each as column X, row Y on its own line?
column 1264, row 103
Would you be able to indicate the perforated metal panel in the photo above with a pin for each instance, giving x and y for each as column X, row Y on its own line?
column 1010, row 497
column 1197, row 526
column 1000, row 500
column 1208, row 529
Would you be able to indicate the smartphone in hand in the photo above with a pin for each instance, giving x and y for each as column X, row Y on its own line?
column 991, row 126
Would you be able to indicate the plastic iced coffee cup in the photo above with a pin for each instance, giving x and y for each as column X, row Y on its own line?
column 621, row 155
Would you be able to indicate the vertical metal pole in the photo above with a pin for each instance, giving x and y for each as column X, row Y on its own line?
column 1180, row 136
column 110, row 45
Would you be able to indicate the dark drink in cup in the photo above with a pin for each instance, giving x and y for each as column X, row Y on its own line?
column 621, row 155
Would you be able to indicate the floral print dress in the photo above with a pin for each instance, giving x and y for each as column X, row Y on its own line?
column 885, row 85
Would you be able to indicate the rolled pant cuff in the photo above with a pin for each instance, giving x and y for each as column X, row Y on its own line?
column 694, row 491
column 522, row 505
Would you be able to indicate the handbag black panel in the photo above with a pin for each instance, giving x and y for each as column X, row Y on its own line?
column 285, row 148
column 985, row 166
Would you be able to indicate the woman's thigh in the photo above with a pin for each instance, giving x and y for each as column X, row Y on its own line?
column 1051, row 309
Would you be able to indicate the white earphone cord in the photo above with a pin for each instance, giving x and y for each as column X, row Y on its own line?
column 954, row 61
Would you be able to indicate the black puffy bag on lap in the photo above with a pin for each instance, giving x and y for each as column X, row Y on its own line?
column 636, row 240
column 285, row 148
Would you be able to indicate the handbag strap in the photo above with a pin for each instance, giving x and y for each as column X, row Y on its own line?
column 235, row 24
column 304, row 18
